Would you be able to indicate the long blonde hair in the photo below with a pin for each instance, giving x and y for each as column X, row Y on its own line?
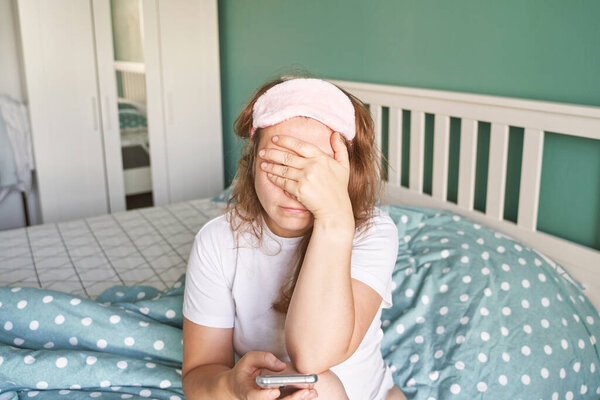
column 364, row 186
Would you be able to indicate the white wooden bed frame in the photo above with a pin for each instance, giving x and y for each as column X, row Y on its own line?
column 536, row 117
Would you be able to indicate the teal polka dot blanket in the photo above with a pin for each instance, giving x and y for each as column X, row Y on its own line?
column 476, row 315
column 125, row 345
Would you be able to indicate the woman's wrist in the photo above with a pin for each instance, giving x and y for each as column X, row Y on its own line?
column 226, row 385
column 340, row 226
column 341, row 211
column 342, row 206
column 218, row 386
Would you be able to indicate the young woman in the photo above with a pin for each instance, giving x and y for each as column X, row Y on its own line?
column 292, row 279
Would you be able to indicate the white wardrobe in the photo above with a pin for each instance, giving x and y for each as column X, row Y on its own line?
column 71, row 92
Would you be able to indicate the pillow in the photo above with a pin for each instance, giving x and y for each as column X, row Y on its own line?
column 130, row 117
column 478, row 315
column 224, row 196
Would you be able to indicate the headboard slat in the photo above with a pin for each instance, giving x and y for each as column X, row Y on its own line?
column 133, row 80
column 466, row 168
column 441, row 146
column 376, row 114
column 496, row 183
column 395, row 146
column 417, row 150
column 531, row 172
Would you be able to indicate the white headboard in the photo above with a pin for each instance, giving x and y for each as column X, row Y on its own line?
column 535, row 117
column 133, row 80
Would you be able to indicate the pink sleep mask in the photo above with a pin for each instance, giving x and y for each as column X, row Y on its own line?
column 303, row 97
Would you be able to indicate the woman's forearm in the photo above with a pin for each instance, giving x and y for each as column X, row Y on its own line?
column 320, row 320
column 208, row 382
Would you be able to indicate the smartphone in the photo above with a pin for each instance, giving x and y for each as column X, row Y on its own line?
column 270, row 381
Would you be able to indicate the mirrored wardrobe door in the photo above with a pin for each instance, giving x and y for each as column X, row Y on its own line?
column 130, row 72
column 163, row 58
column 130, row 164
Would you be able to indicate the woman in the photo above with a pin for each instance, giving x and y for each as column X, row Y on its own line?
column 293, row 277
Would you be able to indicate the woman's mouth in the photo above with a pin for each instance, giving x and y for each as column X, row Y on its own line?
column 293, row 210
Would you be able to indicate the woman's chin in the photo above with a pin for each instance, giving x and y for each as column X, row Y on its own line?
column 294, row 225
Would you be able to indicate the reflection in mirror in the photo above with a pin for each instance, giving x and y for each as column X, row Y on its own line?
column 130, row 69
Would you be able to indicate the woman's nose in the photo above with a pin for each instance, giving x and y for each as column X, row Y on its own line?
column 291, row 196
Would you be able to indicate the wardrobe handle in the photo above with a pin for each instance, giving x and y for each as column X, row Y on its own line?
column 108, row 114
column 95, row 112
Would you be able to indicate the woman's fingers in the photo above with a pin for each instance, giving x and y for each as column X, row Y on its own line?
column 261, row 359
column 287, row 185
column 281, row 170
column 266, row 394
column 302, row 394
column 302, row 148
column 242, row 376
column 282, row 157
column 340, row 152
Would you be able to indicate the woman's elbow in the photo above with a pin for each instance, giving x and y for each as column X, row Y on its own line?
column 306, row 366
column 312, row 363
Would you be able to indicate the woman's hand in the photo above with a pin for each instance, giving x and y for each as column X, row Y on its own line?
column 317, row 180
column 242, row 377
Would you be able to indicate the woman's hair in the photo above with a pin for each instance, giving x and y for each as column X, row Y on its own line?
column 364, row 186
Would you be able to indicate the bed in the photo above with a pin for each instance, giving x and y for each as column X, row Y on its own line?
column 483, row 307
column 106, row 283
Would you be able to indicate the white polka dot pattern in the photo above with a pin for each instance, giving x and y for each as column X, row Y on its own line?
column 461, row 287
column 504, row 329
column 95, row 345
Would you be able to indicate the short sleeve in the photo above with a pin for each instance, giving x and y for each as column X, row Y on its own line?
column 207, row 299
column 374, row 255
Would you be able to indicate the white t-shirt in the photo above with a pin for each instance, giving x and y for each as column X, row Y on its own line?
column 229, row 285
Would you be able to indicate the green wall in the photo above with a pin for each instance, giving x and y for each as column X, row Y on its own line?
column 536, row 49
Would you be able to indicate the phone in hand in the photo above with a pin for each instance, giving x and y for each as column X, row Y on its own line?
column 298, row 380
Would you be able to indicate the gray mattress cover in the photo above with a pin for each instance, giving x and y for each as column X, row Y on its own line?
column 147, row 246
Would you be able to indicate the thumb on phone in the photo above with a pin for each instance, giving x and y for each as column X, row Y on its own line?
column 263, row 359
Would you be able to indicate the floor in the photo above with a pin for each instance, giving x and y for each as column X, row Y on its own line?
column 139, row 200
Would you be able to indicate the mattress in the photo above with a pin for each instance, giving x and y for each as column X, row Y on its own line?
column 146, row 247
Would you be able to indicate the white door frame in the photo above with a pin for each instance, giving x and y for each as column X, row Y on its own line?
column 154, row 100
column 107, row 89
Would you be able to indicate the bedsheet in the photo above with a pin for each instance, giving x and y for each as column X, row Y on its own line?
column 86, row 256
